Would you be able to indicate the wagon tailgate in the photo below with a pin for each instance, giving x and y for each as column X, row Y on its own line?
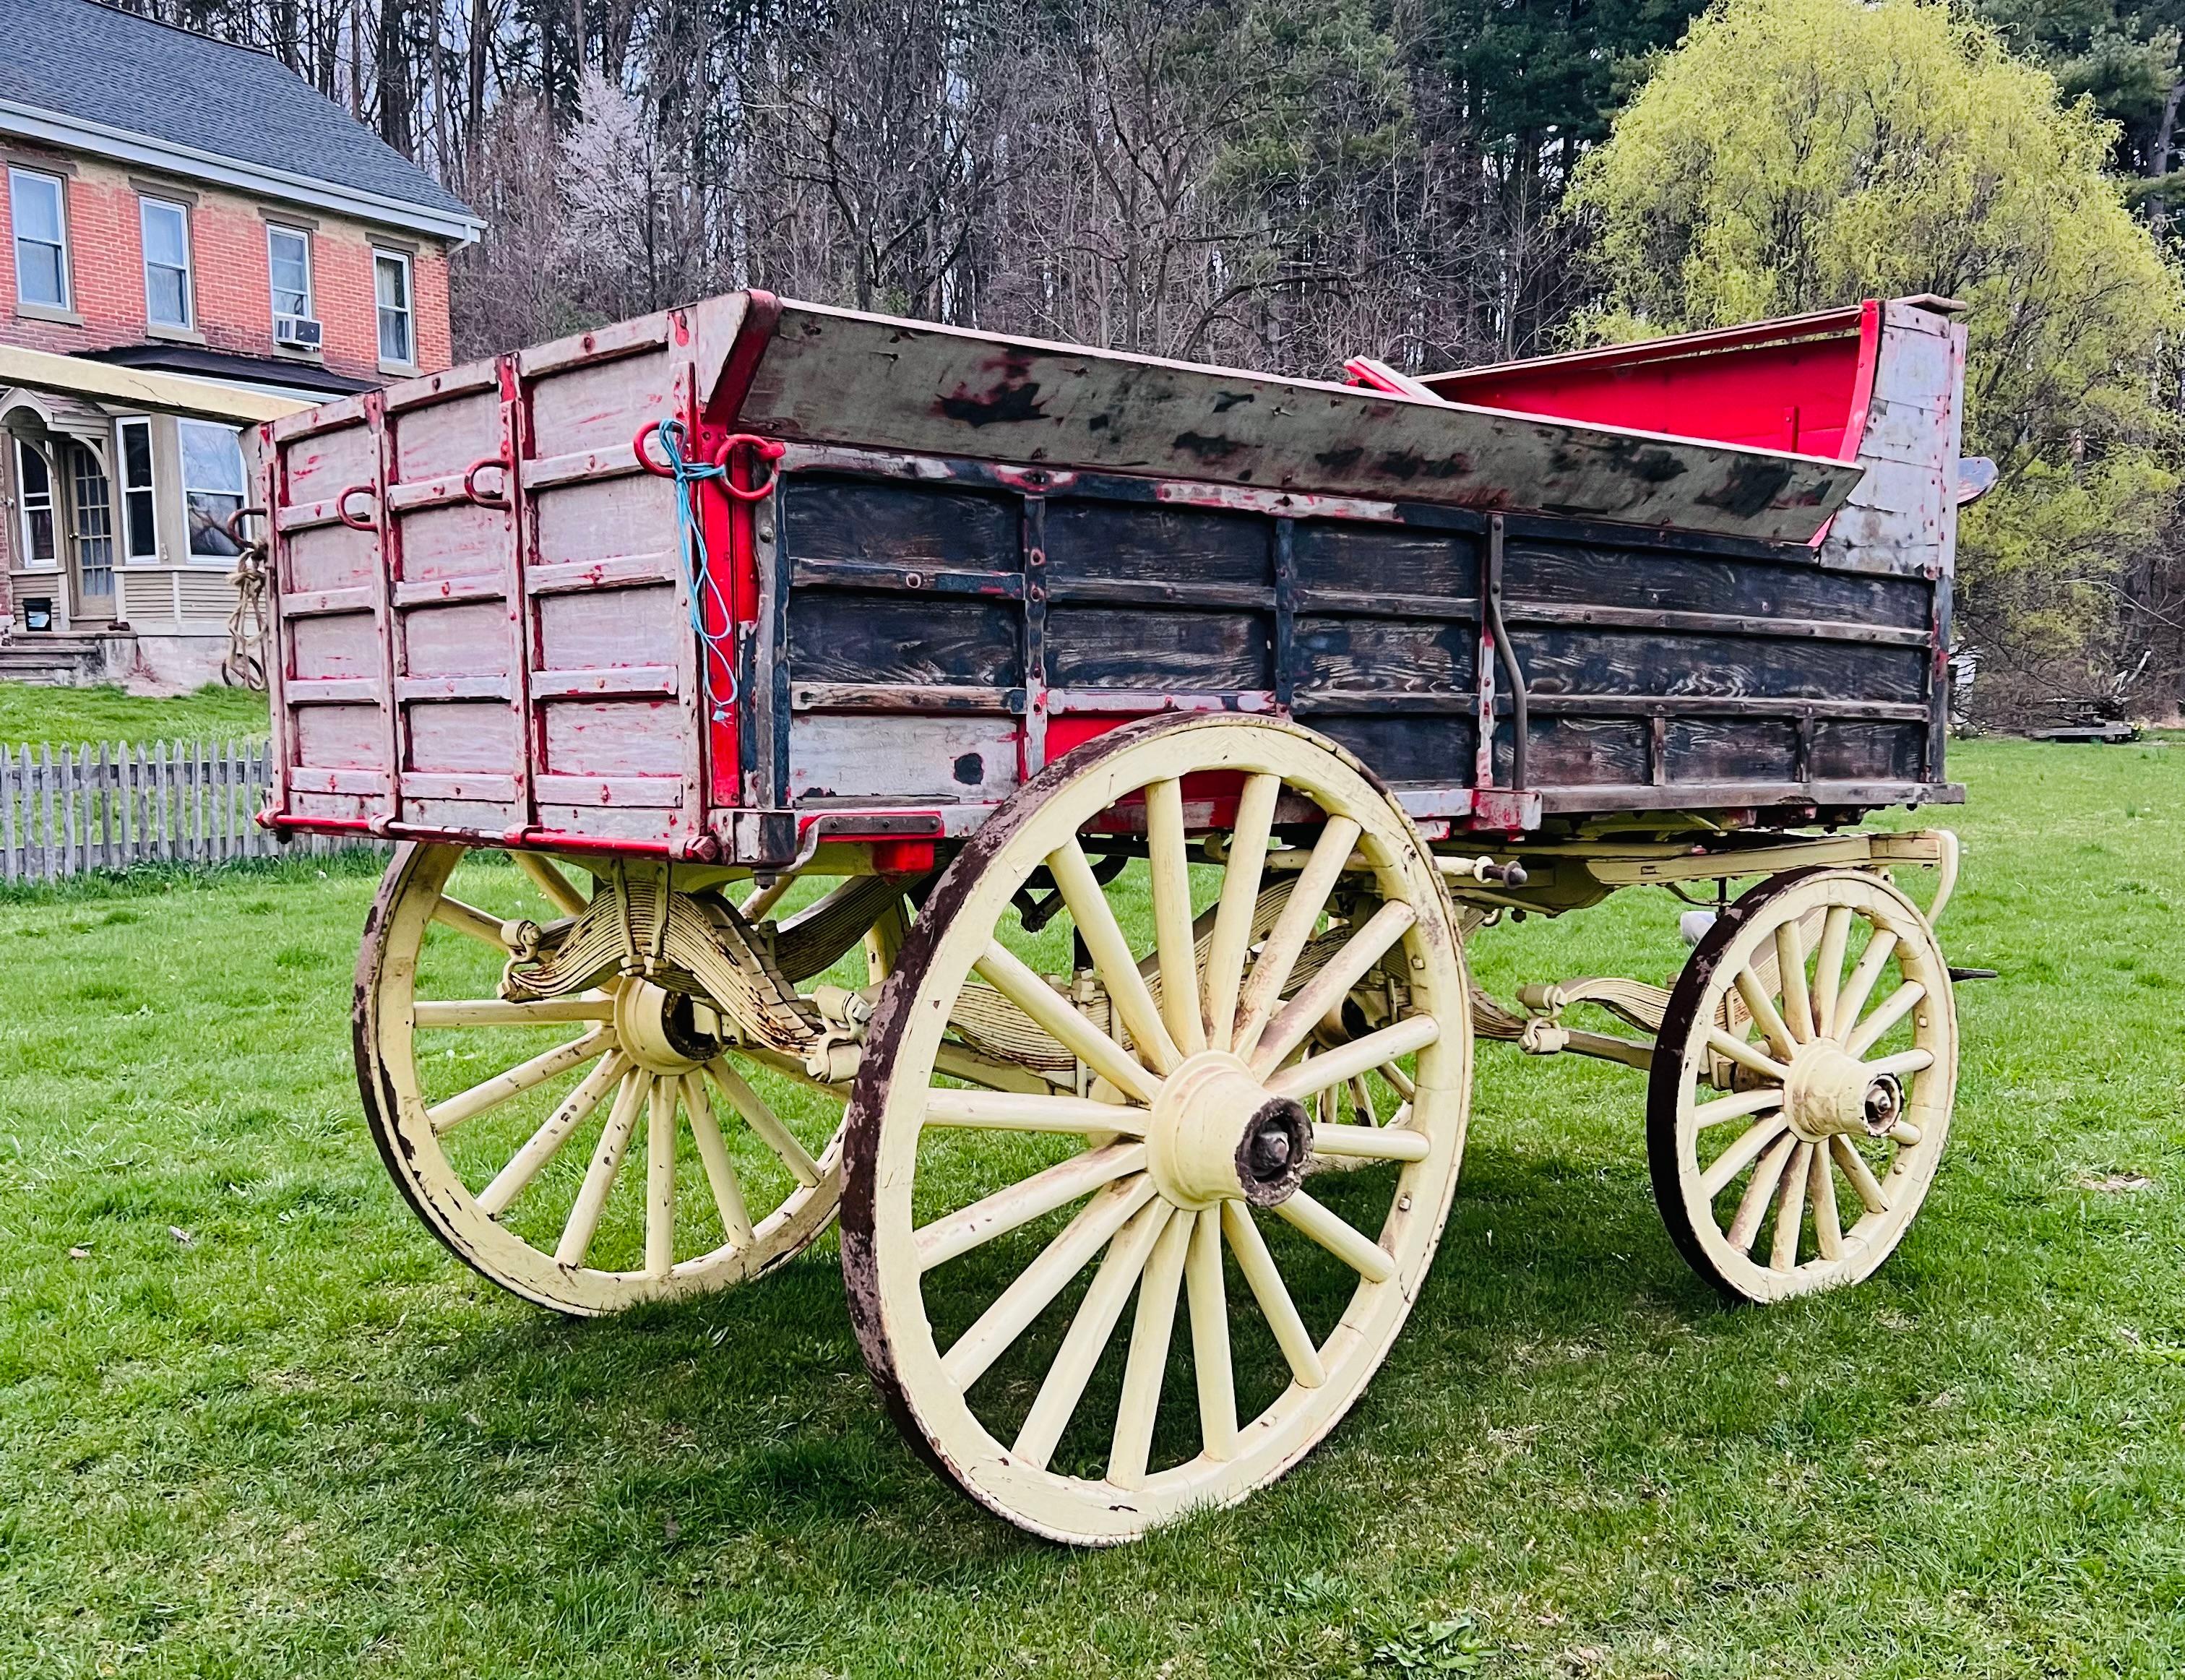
column 472, row 650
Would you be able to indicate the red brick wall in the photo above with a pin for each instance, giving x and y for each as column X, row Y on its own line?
column 229, row 274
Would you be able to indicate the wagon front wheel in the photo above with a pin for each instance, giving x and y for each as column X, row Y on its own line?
column 586, row 1152
column 1801, row 1085
column 994, row 1242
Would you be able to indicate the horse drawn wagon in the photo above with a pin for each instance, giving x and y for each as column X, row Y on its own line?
column 1036, row 800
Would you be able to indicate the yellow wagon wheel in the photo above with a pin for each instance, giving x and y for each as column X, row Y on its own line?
column 972, row 1218
column 1800, row 1096
column 586, row 1153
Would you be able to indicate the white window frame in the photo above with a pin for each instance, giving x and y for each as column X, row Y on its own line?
column 275, row 231
column 26, row 507
column 183, row 449
column 16, row 176
column 126, row 533
column 409, row 311
column 146, row 204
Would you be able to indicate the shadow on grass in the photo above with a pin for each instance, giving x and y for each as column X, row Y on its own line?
column 751, row 1410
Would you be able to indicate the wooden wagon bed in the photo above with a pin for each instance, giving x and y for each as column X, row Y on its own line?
column 974, row 552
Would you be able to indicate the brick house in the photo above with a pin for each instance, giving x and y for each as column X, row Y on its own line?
column 178, row 205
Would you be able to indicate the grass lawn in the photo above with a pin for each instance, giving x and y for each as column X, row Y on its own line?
column 31, row 712
column 265, row 1425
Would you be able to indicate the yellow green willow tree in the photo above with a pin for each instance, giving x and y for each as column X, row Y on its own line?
column 1795, row 154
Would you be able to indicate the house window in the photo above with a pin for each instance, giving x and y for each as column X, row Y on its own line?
column 390, row 280
column 167, row 262
column 42, row 276
column 140, row 525
column 212, row 486
column 40, row 537
column 289, row 249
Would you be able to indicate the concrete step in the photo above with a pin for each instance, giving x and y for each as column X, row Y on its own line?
column 58, row 661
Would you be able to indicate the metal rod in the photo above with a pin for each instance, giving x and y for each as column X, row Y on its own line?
column 1506, row 656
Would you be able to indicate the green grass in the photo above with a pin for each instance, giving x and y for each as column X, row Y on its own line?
column 31, row 712
column 298, row 1439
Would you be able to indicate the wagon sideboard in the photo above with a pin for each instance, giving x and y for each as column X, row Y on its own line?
column 975, row 553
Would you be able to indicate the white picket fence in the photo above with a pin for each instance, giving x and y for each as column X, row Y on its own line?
column 72, row 811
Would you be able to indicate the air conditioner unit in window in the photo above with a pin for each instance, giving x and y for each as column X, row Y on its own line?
column 297, row 332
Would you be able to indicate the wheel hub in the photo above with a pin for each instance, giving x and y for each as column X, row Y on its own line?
column 1218, row 1134
column 1831, row 1092
column 658, row 1029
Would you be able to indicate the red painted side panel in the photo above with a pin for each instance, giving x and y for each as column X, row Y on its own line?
column 1801, row 385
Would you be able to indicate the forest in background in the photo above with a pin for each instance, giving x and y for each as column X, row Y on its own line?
column 1279, row 184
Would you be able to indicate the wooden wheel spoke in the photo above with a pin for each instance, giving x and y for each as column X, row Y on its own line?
column 994, row 1215
column 1240, row 893
column 598, row 1178
column 470, row 922
column 1361, row 1101
column 1370, row 1142
column 1747, row 1055
column 1089, row 1332
column 1852, row 1002
column 494, row 1012
column 660, row 1178
column 1739, row 1155
column 1209, row 1297
column 1286, row 940
column 1152, row 1330
column 1860, row 1174
column 1331, row 1067
column 525, row 1165
column 764, row 1122
column 1765, row 1015
column 502, row 1087
column 1791, row 975
column 1169, row 864
column 1914, row 1061
column 1265, row 1280
column 1015, row 1111
column 1002, row 968
column 1828, row 968
column 547, row 876
column 1012, row 1312
column 1828, row 1229
column 1790, row 1208
column 720, row 1171
column 1364, row 1256
column 1111, row 954
column 1736, row 1105
column 1325, row 990
column 1894, row 1008
column 1752, row 1207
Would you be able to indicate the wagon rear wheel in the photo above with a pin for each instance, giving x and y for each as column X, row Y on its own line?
column 994, row 1240
column 587, row 1152
column 1801, row 1085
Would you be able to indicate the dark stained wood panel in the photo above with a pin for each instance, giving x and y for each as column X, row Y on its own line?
column 1192, row 652
column 1730, row 750
column 886, row 521
column 1588, row 661
column 871, row 637
column 1436, row 751
column 1855, row 751
column 1394, row 657
column 1577, row 751
column 1350, row 556
column 1156, row 543
column 1648, row 578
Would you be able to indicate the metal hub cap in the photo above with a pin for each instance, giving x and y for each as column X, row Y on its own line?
column 1830, row 1091
column 1217, row 1134
column 659, row 1028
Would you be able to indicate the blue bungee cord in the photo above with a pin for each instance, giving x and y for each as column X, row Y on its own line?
column 702, row 591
